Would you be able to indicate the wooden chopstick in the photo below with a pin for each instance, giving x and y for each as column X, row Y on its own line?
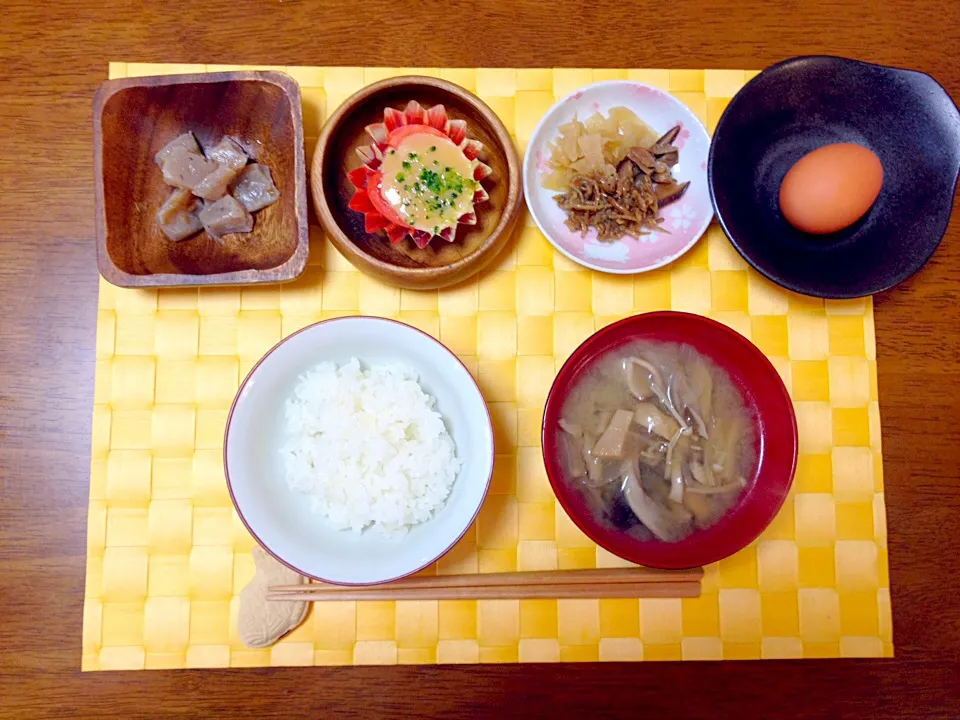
column 598, row 583
column 528, row 577
column 500, row 592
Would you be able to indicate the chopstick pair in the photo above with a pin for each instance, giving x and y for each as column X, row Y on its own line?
column 634, row 582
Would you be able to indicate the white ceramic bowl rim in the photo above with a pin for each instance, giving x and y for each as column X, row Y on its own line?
column 239, row 394
column 531, row 173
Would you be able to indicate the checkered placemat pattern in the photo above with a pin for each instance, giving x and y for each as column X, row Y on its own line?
column 167, row 555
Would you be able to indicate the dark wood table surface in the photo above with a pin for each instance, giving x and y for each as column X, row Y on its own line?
column 52, row 57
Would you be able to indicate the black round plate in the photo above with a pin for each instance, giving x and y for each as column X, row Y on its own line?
column 801, row 104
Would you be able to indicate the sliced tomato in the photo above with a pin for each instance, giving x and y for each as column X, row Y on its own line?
column 396, row 233
column 374, row 191
column 374, row 222
column 361, row 202
column 401, row 133
column 359, row 176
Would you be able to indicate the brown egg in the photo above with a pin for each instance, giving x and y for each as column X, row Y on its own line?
column 831, row 188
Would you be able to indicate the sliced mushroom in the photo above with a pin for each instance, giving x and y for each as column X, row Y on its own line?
column 653, row 456
column 676, row 448
column 643, row 159
column 670, row 192
column 594, row 465
column 572, row 443
column 720, row 450
column 670, row 158
column 683, row 398
column 640, row 378
column 702, row 474
column 676, row 477
column 701, row 384
column 665, row 143
column 697, row 421
column 610, row 444
column 703, row 509
column 654, row 379
column 574, row 457
column 657, row 388
column 668, row 524
column 655, row 421
column 703, row 490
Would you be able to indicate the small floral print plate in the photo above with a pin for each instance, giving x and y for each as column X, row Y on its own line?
column 685, row 220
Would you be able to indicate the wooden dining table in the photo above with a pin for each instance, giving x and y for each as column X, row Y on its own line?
column 52, row 58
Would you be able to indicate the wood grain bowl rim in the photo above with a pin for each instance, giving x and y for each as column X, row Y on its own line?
column 289, row 270
column 437, row 275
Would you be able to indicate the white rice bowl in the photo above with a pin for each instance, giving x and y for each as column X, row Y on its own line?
column 368, row 447
column 283, row 520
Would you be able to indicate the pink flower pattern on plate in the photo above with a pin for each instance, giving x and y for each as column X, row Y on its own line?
column 681, row 136
column 643, row 90
column 542, row 167
column 680, row 216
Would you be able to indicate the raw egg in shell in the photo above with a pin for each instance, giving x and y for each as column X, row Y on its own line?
column 831, row 188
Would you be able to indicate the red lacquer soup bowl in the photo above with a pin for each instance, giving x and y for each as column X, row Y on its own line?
column 774, row 426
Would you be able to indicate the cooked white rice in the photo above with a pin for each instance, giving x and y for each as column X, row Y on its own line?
column 368, row 447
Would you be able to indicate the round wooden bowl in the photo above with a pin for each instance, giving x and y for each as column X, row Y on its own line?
column 405, row 265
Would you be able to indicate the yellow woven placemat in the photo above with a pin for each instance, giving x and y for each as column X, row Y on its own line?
column 167, row 555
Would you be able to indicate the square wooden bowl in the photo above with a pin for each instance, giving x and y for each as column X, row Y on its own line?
column 135, row 117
